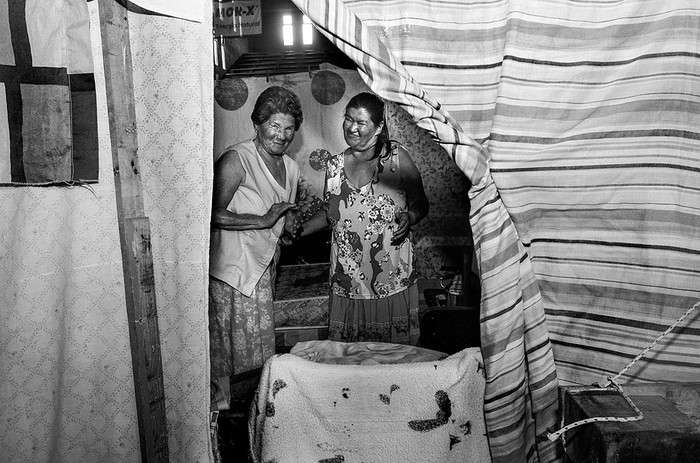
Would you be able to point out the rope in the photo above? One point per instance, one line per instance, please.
(651, 346)
(612, 381)
(552, 436)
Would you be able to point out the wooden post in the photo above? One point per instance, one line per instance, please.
(134, 234)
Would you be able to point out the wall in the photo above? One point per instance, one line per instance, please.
(229, 49)
(440, 239)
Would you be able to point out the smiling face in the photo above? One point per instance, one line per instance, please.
(276, 134)
(358, 129)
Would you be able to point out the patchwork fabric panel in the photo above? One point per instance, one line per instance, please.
(48, 119)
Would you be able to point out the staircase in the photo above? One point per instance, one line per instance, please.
(301, 291)
(301, 304)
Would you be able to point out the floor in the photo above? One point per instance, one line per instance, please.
(232, 438)
(232, 424)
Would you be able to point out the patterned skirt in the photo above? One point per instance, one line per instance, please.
(241, 329)
(390, 319)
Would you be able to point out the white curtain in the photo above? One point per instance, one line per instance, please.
(66, 384)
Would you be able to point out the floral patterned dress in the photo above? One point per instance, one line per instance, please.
(373, 291)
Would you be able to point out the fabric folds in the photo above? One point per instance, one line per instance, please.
(520, 398)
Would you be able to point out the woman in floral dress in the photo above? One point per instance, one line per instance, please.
(373, 195)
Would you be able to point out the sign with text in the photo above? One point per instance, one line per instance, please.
(236, 18)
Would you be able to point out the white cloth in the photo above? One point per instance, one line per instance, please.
(363, 353)
(239, 258)
(183, 9)
(412, 412)
(66, 384)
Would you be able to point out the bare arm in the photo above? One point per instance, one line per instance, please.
(317, 222)
(417, 205)
(228, 176)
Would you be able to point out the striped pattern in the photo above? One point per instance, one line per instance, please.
(521, 391)
(578, 124)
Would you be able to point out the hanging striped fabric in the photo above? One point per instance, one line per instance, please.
(520, 400)
(594, 145)
(577, 122)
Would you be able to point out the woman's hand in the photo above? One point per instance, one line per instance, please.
(292, 223)
(403, 221)
(275, 212)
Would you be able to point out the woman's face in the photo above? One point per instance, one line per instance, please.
(358, 129)
(276, 134)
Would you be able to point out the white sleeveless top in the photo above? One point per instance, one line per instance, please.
(239, 258)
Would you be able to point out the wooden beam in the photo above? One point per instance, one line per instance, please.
(134, 234)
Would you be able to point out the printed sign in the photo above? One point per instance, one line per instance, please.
(236, 18)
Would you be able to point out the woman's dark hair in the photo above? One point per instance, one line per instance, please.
(274, 100)
(375, 108)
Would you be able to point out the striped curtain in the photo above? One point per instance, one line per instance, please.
(595, 150)
(521, 390)
(577, 123)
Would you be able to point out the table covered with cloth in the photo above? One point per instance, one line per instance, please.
(369, 402)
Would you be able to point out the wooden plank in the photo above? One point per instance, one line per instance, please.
(145, 340)
(134, 235)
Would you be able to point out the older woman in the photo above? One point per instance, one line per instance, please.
(373, 195)
(255, 185)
